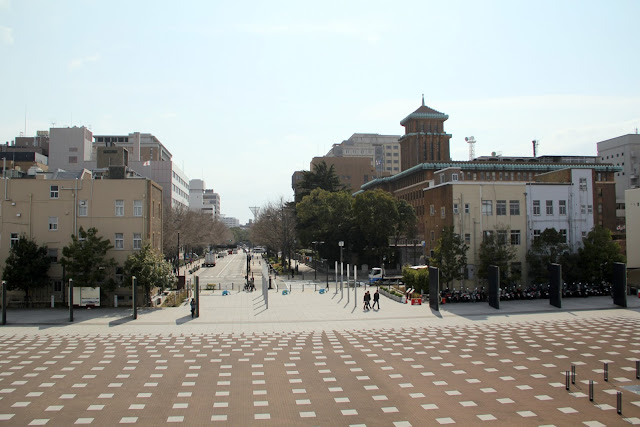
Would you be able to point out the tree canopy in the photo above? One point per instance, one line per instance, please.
(549, 247)
(450, 256)
(85, 258)
(27, 266)
(496, 252)
(150, 269)
(322, 176)
(597, 255)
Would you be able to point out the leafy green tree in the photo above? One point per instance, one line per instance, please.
(85, 258)
(322, 176)
(27, 266)
(549, 247)
(325, 216)
(496, 252)
(597, 255)
(450, 256)
(417, 279)
(376, 217)
(150, 269)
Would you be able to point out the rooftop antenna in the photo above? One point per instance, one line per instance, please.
(255, 210)
(535, 147)
(472, 147)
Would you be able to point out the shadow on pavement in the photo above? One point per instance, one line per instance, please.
(184, 319)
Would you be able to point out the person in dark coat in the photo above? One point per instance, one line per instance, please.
(193, 307)
(367, 300)
(376, 300)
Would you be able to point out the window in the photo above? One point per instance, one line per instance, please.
(599, 208)
(57, 286)
(73, 159)
(563, 233)
(137, 208)
(536, 234)
(443, 212)
(515, 237)
(53, 254)
(536, 207)
(53, 223)
(119, 274)
(502, 237)
(83, 207)
(583, 184)
(432, 210)
(454, 177)
(562, 207)
(466, 208)
(455, 209)
(514, 207)
(119, 207)
(119, 241)
(487, 207)
(13, 239)
(590, 209)
(549, 207)
(467, 238)
(433, 235)
(488, 234)
(583, 209)
(137, 241)
(501, 207)
(53, 192)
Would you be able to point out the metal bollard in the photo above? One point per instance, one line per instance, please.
(302, 286)
(619, 403)
(566, 380)
(573, 374)
(606, 372)
(590, 390)
(638, 369)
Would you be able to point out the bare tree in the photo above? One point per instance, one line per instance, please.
(275, 228)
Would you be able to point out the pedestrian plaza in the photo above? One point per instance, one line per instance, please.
(319, 359)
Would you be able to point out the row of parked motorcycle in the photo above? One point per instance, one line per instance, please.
(513, 292)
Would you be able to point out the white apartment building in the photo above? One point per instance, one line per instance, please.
(203, 199)
(229, 221)
(564, 206)
(72, 149)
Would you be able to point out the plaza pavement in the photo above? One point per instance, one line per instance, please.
(319, 359)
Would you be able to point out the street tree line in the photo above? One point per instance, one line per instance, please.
(85, 260)
(591, 263)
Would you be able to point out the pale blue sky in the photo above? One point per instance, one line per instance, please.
(245, 93)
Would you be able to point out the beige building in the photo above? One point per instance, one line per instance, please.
(51, 207)
(632, 203)
(476, 209)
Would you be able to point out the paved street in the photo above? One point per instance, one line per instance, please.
(315, 359)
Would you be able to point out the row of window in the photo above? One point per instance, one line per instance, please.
(53, 253)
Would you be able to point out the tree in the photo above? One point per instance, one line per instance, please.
(327, 217)
(85, 258)
(376, 217)
(549, 248)
(150, 269)
(322, 176)
(275, 228)
(27, 266)
(450, 256)
(494, 251)
(597, 255)
(417, 279)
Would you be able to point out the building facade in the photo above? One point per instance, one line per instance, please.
(51, 207)
(383, 150)
(203, 200)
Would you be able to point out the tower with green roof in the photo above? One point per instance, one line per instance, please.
(425, 139)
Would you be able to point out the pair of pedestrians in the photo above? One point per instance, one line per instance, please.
(367, 300)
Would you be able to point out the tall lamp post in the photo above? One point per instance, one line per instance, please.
(341, 244)
(315, 258)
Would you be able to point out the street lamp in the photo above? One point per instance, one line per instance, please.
(315, 259)
(341, 244)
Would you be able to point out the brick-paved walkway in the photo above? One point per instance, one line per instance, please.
(403, 369)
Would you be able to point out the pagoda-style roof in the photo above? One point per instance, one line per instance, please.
(424, 112)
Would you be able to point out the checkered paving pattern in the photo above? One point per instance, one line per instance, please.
(465, 374)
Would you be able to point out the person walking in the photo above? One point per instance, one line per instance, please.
(367, 299)
(376, 300)
(193, 307)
